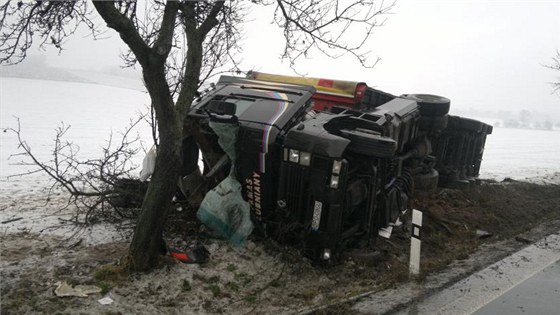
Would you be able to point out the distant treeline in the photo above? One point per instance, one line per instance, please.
(509, 119)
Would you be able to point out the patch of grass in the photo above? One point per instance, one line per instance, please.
(491, 217)
(243, 278)
(400, 272)
(203, 278)
(62, 271)
(111, 273)
(207, 305)
(109, 276)
(309, 294)
(215, 289)
(199, 277)
(251, 298)
(358, 291)
(105, 287)
(186, 286)
(13, 303)
(214, 279)
(345, 308)
(168, 303)
(457, 250)
(231, 267)
(34, 303)
(232, 286)
(463, 255)
(439, 239)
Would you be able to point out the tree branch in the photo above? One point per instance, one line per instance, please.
(164, 41)
(126, 29)
(555, 65)
(50, 21)
(325, 26)
(211, 21)
(93, 182)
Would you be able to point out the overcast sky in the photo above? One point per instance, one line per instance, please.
(480, 54)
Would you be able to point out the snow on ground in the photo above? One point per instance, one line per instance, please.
(93, 111)
(32, 214)
(521, 154)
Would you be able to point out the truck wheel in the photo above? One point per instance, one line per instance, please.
(430, 105)
(370, 144)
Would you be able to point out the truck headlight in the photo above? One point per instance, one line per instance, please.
(305, 158)
(326, 254)
(294, 156)
(337, 165)
(334, 181)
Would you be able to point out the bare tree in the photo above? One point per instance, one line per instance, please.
(99, 187)
(555, 65)
(325, 26)
(179, 44)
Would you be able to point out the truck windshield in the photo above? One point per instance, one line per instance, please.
(241, 104)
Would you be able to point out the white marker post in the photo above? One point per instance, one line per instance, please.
(414, 266)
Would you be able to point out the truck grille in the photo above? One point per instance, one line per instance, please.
(297, 190)
(299, 194)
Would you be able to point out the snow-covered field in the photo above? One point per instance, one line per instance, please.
(521, 154)
(94, 111)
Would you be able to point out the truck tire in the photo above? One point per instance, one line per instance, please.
(430, 105)
(369, 144)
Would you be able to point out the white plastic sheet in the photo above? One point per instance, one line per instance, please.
(148, 164)
(223, 208)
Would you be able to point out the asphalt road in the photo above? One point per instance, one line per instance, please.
(527, 282)
(539, 294)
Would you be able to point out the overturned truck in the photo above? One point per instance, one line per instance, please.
(328, 165)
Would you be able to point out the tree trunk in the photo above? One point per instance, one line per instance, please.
(146, 243)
